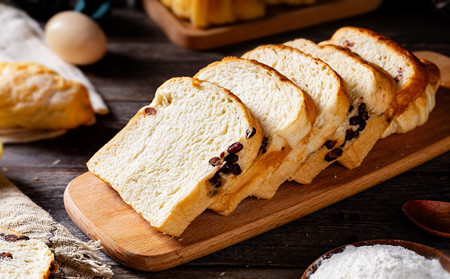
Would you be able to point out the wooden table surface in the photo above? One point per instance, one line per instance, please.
(140, 58)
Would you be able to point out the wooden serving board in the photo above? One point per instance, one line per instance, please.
(102, 215)
(278, 19)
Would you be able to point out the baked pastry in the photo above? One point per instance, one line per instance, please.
(370, 90)
(25, 258)
(176, 155)
(290, 2)
(285, 112)
(326, 88)
(204, 13)
(409, 73)
(181, 8)
(34, 97)
(417, 112)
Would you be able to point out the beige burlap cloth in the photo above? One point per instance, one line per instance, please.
(76, 259)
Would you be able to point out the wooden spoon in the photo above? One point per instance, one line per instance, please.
(431, 216)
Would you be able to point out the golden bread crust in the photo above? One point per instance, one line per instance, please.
(417, 112)
(34, 97)
(416, 83)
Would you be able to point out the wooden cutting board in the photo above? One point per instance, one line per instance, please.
(278, 19)
(102, 215)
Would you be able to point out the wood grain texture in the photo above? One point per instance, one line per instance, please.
(276, 21)
(139, 246)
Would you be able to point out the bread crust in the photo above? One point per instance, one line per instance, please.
(415, 85)
(35, 97)
(417, 112)
(354, 154)
(52, 265)
(263, 165)
(204, 13)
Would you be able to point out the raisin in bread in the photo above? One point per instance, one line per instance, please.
(167, 162)
(417, 112)
(25, 258)
(326, 88)
(34, 97)
(284, 111)
(370, 90)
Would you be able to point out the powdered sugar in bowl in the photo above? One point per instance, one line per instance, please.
(384, 258)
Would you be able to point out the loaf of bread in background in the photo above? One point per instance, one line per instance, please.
(171, 161)
(205, 13)
(34, 97)
(24, 258)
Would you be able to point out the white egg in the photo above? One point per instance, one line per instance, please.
(76, 38)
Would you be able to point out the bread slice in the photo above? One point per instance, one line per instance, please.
(25, 258)
(409, 73)
(326, 88)
(417, 112)
(284, 111)
(370, 90)
(176, 155)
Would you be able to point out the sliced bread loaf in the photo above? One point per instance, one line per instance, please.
(370, 90)
(326, 88)
(417, 112)
(409, 73)
(285, 113)
(176, 155)
(24, 258)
